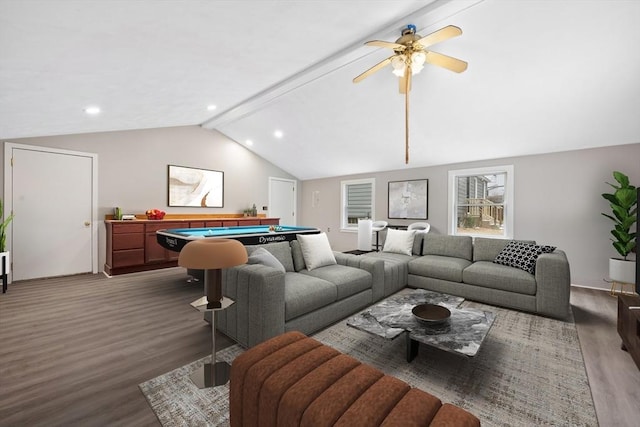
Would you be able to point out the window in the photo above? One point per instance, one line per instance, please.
(481, 202)
(357, 202)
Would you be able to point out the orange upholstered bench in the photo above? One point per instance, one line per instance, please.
(293, 380)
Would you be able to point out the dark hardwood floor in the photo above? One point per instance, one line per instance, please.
(74, 349)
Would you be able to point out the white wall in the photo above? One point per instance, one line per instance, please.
(132, 168)
(557, 202)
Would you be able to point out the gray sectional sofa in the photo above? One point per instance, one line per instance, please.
(269, 302)
(460, 265)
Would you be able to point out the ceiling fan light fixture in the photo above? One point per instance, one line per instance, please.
(418, 58)
(398, 64)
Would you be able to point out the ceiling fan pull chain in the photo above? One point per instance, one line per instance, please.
(406, 116)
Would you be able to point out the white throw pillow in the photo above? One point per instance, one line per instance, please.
(399, 241)
(316, 250)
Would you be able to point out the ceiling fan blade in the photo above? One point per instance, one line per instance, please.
(448, 62)
(390, 45)
(441, 35)
(373, 69)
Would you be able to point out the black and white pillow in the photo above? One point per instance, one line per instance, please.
(522, 255)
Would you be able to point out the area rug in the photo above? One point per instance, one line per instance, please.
(529, 371)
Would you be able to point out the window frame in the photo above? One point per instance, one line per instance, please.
(508, 203)
(344, 221)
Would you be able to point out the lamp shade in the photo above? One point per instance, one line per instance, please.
(211, 253)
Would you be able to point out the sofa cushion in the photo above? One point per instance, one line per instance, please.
(439, 267)
(448, 246)
(264, 257)
(348, 280)
(296, 253)
(304, 293)
(399, 241)
(316, 250)
(487, 249)
(490, 275)
(417, 242)
(280, 250)
(522, 255)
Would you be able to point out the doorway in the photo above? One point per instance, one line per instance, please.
(282, 200)
(53, 196)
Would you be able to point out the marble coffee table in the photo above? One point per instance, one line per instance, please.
(463, 333)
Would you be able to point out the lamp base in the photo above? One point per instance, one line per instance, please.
(211, 375)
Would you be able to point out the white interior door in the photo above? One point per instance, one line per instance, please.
(282, 200)
(52, 198)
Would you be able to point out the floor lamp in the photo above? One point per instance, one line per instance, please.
(211, 255)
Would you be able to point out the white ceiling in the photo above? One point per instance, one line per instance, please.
(543, 76)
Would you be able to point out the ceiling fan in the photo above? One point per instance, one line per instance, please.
(410, 55)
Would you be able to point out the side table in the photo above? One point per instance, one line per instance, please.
(215, 373)
(629, 325)
(5, 264)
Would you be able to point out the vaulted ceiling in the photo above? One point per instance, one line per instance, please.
(543, 76)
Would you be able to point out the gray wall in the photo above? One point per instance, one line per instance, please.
(132, 168)
(557, 202)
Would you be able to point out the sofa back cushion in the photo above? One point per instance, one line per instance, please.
(280, 250)
(298, 259)
(264, 257)
(487, 249)
(417, 243)
(453, 246)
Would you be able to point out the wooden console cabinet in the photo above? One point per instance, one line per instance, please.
(629, 325)
(132, 245)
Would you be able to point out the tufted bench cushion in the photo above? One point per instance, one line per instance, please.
(293, 380)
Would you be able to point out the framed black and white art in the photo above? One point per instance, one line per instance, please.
(409, 199)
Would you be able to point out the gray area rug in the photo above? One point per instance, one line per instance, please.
(528, 372)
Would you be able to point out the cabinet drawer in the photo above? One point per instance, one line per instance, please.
(270, 221)
(229, 223)
(128, 257)
(128, 241)
(196, 224)
(128, 228)
(213, 224)
(248, 222)
(161, 225)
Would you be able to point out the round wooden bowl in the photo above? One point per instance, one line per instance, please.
(430, 313)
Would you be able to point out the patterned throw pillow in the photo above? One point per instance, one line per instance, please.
(522, 255)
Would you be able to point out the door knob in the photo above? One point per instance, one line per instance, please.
(87, 223)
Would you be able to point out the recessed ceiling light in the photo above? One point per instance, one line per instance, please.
(93, 110)
(211, 107)
(278, 134)
(249, 142)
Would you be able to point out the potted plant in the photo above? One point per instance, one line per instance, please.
(624, 205)
(3, 227)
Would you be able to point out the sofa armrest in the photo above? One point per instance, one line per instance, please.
(553, 284)
(372, 265)
(258, 312)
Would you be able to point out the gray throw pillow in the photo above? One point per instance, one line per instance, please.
(264, 257)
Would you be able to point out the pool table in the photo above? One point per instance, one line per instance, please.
(174, 239)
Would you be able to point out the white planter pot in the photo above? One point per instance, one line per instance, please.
(622, 271)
